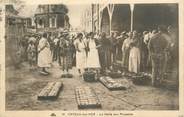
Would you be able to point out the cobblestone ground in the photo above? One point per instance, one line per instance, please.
(22, 87)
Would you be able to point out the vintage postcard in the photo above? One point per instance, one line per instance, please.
(91, 58)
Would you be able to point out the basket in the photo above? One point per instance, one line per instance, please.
(89, 76)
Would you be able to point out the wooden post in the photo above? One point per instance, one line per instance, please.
(98, 19)
(110, 10)
(110, 24)
(132, 16)
(92, 19)
(131, 28)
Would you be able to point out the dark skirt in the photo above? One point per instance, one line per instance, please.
(67, 60)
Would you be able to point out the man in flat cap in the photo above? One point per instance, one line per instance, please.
(158, 48)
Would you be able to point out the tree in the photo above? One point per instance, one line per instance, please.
(19, 4)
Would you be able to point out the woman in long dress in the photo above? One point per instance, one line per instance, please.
(44, 54)
(126, 51)
(93, 56)
(80, 46)
(135, 56)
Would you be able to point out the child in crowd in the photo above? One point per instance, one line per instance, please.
(31, 51)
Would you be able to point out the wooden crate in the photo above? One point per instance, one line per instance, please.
(50, 91)
(86, 98)
(111, 84)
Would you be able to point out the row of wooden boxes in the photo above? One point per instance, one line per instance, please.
(137, 78)
(85, 96)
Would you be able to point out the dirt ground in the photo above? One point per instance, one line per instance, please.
(22, 87)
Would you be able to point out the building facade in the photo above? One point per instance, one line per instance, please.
(28, 22)
(52, 17)
(117, 17)
(86, 19)
(90, 18)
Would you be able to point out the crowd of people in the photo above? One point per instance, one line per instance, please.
(147, 51)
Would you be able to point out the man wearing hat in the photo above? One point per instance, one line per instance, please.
(60, 47)
(157, 48)
(55, 47)
(120, 40)
(114, 45)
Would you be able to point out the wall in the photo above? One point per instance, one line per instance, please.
(12, 41)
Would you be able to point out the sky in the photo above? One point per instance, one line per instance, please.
(75, 12)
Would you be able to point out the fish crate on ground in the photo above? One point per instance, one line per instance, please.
(67, 75)
(111, 84)
(128, 74)
(118, 65)
(114, 74)
(50, 91)
(86, 98)
(141, 78)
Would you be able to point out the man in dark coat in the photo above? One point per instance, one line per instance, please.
(114, 46)
(104, 52)
(157, 48)
(120, 40)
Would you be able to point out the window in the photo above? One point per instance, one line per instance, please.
(52, 22)
(40, 23)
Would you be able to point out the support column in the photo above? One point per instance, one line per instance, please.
(131, 27)
(110, 24)
(132, 16)
(36, 23)
(110, 10)
(55, 22)
(100, 20)
(92, 14)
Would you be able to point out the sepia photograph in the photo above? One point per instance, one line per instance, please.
(107, 57)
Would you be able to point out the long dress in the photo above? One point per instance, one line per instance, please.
(126, 51)
(31, 52)
(80, 56)
(67, 56)
(93, 56)
(44, 57)
(134, 60)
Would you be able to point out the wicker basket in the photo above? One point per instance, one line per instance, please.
(89, 76)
